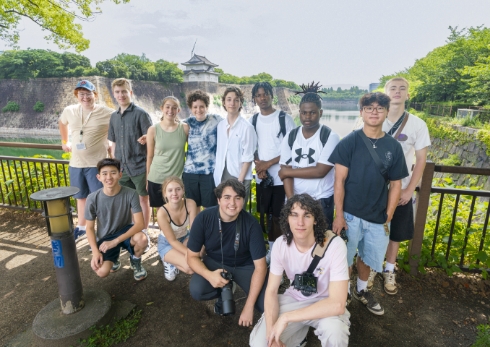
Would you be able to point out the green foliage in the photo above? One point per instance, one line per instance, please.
(458, 71)
(483, 337)
(452, 160)
(275, 101)
(294, 99)
(261, 77)
(471, 252)
(11, 106)
(55, 16)
(118, 332)
(24, 178)
(39, 106)
(217, 100)
(343, 94)
(39, 63)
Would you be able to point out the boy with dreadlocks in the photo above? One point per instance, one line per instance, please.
(271, 126)
(304, 154)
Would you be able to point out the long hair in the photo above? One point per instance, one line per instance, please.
(169, 180)
(306, 203)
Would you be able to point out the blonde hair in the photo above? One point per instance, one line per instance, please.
(122, 82)
(172, 99)
(169, 180)
(396, 79)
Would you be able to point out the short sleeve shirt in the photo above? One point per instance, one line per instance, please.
(125, 129)
(205, 232)
(201, 145)
(366, 192)
(413, 137)
(112, 213)
(89, 128)
(307, 153)
(332, 267)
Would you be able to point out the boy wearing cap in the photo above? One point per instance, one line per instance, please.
(88, 123)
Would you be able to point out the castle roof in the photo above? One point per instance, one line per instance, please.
(199, 59)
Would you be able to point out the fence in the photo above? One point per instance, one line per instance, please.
(449, 111)
(20, 177)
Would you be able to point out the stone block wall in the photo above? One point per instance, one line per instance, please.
(471, 154)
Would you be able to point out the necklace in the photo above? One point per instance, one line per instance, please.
(374, 144)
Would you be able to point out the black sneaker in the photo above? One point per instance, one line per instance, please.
(368, 299)
(78, 234)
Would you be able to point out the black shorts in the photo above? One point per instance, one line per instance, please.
(155, 193)
(113, 253)
(270, 200)
(402, 226)
(200, 188)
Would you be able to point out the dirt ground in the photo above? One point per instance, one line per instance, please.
(430, 310)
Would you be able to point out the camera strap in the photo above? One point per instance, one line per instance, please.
(238, 229)
(319, 251)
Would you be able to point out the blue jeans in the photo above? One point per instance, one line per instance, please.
(368, 239)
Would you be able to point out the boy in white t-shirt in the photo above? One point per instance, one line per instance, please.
(271, 126)
(413, 135)
(287, 317)
(304, 157)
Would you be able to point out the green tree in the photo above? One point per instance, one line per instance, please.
(55, 16)
(168, 72)
(113, 69)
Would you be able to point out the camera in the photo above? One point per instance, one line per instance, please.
(343, 235)
(268, 181)
(228, 304)
(306, 283)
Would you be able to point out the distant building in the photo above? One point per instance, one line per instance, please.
(200, 69)
(373, 86)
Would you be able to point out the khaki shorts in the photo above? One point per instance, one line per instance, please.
(137, 183)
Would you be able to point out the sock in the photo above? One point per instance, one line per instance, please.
(271, 243)
(81, 227)
(389, 267)
(361, 285)
(135, 258)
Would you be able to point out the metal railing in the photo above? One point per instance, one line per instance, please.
(424, 193)
(447, 111)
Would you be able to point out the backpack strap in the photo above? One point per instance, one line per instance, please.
(324, 134)
(292, 137)
(254, 121)
(319, 251)
(282, 124)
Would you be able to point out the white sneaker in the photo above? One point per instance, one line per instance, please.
(372, 276)
(170, 271)
(389, 282)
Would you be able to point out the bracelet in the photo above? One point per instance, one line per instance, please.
(63, 142)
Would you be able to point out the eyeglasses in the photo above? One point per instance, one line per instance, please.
(370, 109)
(85, 95)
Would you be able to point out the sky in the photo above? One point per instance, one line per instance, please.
(335, 42)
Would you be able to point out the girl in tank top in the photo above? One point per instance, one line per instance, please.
(165, 142)
(175, 220)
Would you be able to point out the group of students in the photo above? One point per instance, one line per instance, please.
(302, 173)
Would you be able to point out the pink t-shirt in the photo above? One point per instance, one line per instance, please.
(332, 267)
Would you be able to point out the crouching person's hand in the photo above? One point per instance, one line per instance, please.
(216, 280)
(97, 260)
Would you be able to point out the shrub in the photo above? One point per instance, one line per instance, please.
(39, 106)
(11, 106)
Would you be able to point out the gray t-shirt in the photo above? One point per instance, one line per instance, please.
(112, 212)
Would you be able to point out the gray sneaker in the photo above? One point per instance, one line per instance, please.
(116, 266)
(139, 271)
(368, 299)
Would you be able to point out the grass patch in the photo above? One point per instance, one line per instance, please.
(483, 337)
(115, 333)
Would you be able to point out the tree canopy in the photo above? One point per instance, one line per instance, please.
(458, 71)
(38, 63)
(57, 17)
(342, 94)
(261, 77)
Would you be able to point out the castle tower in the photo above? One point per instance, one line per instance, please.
(200, 69)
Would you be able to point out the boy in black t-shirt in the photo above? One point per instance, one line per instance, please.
(234, 243)
(364, 204)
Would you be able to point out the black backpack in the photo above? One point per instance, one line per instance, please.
(324, 135)
(282, 123)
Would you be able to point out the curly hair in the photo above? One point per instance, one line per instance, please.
(306, 203)
(198, 95)
(264, 85)
(238, 92)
